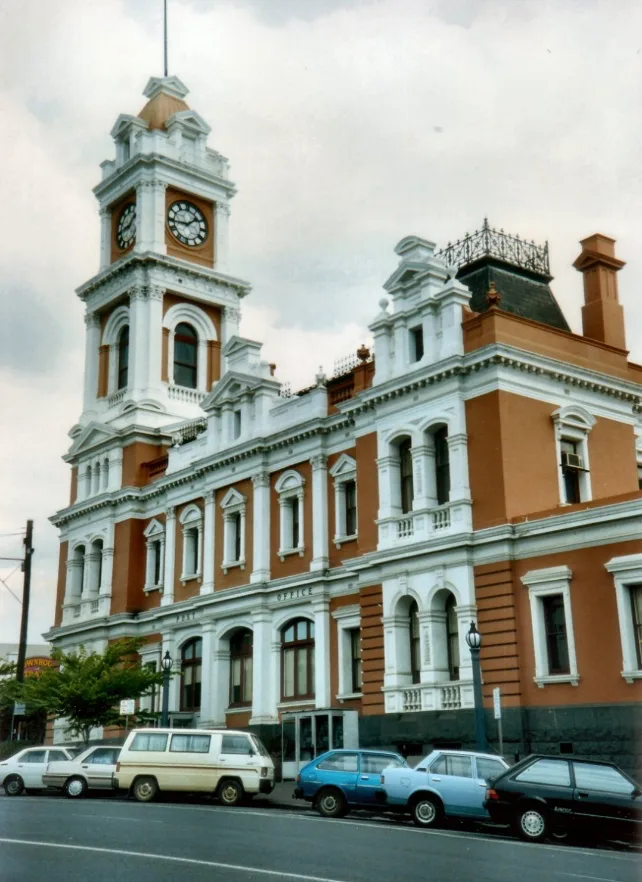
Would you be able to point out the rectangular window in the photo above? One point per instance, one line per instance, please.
(288, 672)
(294, 520)
(190, 744)
(156, 561)
(355, 656)
(570, 473)
(191, 551)
(636, 608)
(416, 343)
(237, 424)
(556, 638)
(350, 491)
(235, 543)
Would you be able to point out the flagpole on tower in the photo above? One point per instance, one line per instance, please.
(165, 35)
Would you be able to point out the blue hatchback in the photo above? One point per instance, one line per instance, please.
(340, 780)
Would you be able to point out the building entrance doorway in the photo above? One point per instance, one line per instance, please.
(307, 734)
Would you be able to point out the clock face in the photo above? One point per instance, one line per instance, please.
(187, 223)
(126, 231)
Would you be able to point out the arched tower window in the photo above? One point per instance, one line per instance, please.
(123, 358)
(405, 475)
(452, 637)
(415, 642)
(185, 356)
(442, 466)
(191, 669)
(241, 668)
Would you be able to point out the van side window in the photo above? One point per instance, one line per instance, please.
(190, 744)
(239, 744)
(149, 741)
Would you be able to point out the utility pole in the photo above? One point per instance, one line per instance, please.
(26, 591)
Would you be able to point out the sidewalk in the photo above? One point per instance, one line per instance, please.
(281, 797)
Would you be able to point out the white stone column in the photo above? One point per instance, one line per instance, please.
(458, 461)
(263, 684)
(261, 562)
(105, 237)
(221, 248)
(231, 321)
(150, 217)
(138, 340)
(207, 585)
(422, 485)
(170, 557)
(157, 200)
(320, 558)
(220, 680)
(169, 645)
(401, 347)
(115, 468)
(322, 687)
(155, 339)
(207, 673)
(92, 344)
(275, 669)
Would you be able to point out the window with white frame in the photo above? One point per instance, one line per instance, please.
(552, 622)
(290, 488)
(573, 425)
(234, 506)
(627, 576)
(154, 570)
(348, 619)
(192, 521)
(344, 475)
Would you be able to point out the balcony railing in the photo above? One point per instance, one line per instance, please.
(182, 393)
(405, 528)
(430, 697)
(423, 524)
(489, 242)
(441, 518)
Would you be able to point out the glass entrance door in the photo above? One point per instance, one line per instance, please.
(305, 735)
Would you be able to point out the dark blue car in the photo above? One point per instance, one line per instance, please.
(340, 780)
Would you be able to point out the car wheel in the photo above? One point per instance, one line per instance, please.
(75, 787)
(331, 804)
(532, 824)
(230, 792)
(14, 785)
(145, 789)
(426, 812)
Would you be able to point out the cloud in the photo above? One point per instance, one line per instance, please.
(348, 126)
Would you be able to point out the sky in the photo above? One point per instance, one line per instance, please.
(348, 124)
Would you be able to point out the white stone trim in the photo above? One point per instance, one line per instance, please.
(192, 519)
(154, 533)
(233, 503)
(574, 423)
(290, 488)
(627, 572)
(342, 472)
(544, 583)
(119, 319)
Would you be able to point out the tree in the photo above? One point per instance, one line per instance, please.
(87, 687)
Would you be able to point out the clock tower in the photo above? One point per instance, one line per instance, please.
(163, 304)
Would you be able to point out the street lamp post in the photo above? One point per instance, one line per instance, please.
(474, 641)
(167, 667)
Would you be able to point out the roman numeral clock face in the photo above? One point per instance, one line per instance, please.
(187, 223)
(126, 230)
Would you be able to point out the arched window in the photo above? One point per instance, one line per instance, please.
(123, 358)
(415, 642)
(442, 466)
(297, 655)
(241, 668)
(185, 356)
(452, 637)
(405, 475)
(191, 669)
(96, 566)
(79, 571)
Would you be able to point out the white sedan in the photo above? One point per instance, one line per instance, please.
(24, 770)
(91, 770)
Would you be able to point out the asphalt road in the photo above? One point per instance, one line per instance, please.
(109, 840)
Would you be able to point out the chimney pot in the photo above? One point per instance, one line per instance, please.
(602, 314)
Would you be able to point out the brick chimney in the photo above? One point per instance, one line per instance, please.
(602, 315)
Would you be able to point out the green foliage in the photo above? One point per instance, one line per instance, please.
(87, 687)
(8, 685)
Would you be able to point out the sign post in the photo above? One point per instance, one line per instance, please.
(497, 708)
(127, 707)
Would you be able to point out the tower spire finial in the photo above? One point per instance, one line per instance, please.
(165, 37)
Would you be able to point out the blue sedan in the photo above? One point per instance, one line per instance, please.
(340, 780)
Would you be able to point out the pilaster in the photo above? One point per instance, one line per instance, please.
(207, 586)
(221, 247)
(92, 344)
(322, 690)
(261, 526)
(264, 699)
(170, 557)
(320, 557)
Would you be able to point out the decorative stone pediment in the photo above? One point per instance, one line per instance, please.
(153, 528)
(125, 123)
(345, 465)
(92, 436)
(189, 120)
(233, 498)
(229, 389)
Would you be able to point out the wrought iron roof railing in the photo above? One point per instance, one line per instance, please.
(489, 242)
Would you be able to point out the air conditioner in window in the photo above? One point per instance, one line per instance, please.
(572, 461)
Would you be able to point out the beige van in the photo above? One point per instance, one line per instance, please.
(228, 763)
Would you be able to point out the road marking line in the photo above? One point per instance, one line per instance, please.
(584, 876)
(168, 857)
